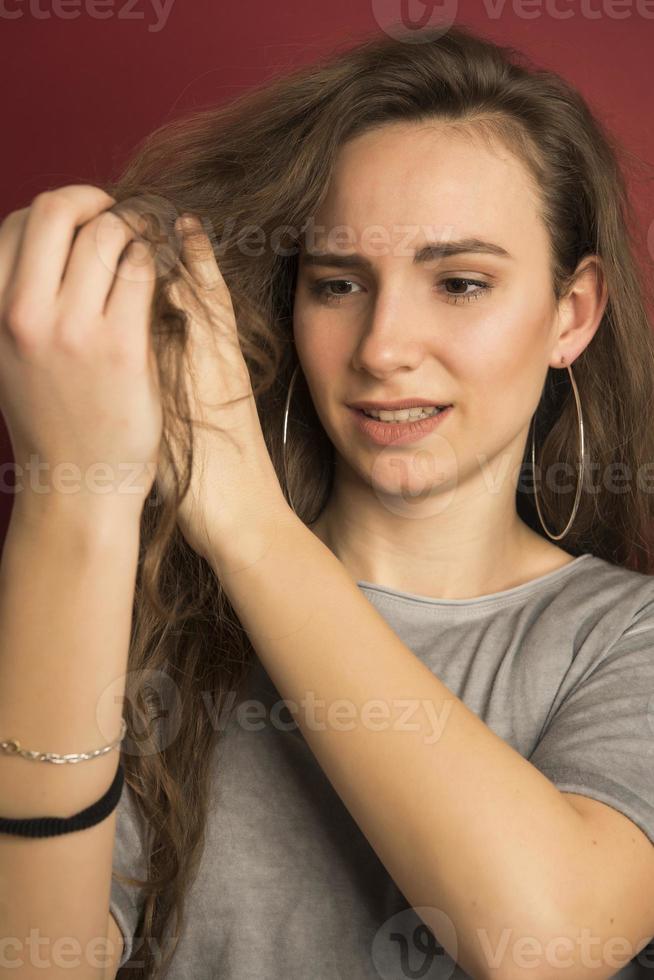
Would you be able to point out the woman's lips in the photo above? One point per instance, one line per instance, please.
(397, 433)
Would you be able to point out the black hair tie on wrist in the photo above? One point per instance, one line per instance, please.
(52, 826)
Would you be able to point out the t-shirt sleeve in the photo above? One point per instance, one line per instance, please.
(600, 740)
(129, 859)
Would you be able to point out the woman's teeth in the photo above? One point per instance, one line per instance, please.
(404, 415)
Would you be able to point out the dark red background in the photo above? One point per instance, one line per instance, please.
(80, 90)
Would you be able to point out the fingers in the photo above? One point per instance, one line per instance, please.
(49, 229)
(130, 298)
(200, 259)
(92, 266)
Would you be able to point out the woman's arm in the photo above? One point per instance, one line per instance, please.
(462, 822)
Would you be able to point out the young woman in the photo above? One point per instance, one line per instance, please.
(389, 698)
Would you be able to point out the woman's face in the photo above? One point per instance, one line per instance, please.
(387, 328)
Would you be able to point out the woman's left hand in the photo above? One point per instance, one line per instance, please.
(234, 490)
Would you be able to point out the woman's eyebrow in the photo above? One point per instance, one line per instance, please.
(429, 252)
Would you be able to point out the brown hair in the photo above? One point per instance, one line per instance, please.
(264, 161)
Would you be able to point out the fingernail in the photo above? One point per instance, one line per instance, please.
(187, 223)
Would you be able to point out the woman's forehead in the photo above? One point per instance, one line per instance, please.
(403, 201)
(450, 189)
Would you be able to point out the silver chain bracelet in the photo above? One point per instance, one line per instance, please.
(12, 747)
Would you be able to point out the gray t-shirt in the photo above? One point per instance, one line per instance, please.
(562, 668)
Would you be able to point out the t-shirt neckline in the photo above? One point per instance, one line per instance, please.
(517, 590)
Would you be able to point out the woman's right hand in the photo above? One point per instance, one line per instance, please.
(79, 388)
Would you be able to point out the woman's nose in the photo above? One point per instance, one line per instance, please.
(394, 334)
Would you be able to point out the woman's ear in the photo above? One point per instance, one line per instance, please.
(580, 311)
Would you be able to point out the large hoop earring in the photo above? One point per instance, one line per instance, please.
(288, 402)
(575, 506)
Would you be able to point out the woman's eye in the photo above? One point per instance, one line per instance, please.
(322, 289)
(457, 297)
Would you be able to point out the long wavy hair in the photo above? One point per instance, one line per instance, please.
(261, 165)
